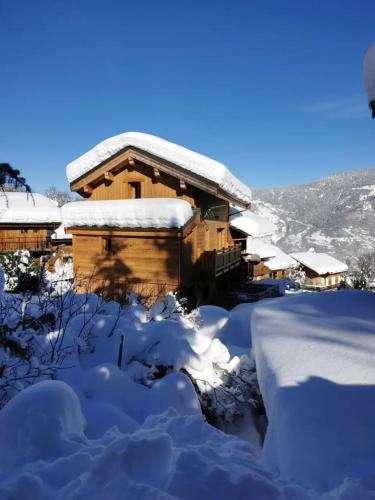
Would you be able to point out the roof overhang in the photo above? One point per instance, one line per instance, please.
(129, 155)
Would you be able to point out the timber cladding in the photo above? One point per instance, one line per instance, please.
(24, 236)
(133, 262)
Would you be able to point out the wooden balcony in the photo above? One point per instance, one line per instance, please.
(26, 243)
(219, 262)
(227, 259)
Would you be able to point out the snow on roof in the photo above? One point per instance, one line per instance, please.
(321, 263)
(250, 223)
(275, 258)
(27, 208)
(178, 155)
(261, 248)
(60, 234)
(369, 72)
(139, 213)
(280, 261)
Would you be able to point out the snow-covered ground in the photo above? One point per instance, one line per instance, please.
(315, 364)
(122, 417)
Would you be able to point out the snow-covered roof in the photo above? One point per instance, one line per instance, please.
(281, 260)
(139, 213)
(60, 234)
(275, 258)
(250, 223)
(259, 247)
(369, 72)
(24, 208)
(321, 263)
(178, 155)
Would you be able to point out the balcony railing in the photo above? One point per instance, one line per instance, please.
(218, 262)
(13, 244)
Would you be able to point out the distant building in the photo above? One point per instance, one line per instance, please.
(27, 221)
(322, 270)
(254, 233)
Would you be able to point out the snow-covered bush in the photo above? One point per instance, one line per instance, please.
(296, 276)
(65, 335)
(20, 271)
(361, 272)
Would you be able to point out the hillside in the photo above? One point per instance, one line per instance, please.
(334, 214)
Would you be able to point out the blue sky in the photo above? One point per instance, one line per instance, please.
(271, 88)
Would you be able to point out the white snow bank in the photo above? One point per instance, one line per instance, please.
(321, 263)
(169, 456)
(315, 363)
(369, 72)
(139, 213)
(178, 155)
(28, 208)
(250, 223)
(40, 423)
(60, 234)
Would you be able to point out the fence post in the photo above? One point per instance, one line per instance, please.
(120, 350)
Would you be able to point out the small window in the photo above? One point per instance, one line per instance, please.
(35, 230)
(108, 245)
(135, 190)
(24, 231)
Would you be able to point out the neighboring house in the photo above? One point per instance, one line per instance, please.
(254, 232)
(157, 216)
(269, 261)
(322, 270)
(27, 221)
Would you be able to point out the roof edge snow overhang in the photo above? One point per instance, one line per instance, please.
(120, 160)
(173, 232)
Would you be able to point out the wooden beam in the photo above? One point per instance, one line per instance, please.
(131, 162)
(87, 189)
(156, 172)
(182, 184)
(108, 176)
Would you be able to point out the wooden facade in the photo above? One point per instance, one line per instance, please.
(315, 281)
(165, 259)
(32, 237)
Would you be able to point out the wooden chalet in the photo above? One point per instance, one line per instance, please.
(322, 271)
(27, 221)
(140, 252)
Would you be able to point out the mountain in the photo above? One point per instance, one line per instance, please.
(335, 214)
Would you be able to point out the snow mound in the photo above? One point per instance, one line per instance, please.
(139, 213)
(28, 208)
(40, 423)
(182, 157)
(314, 355)
(321, 263)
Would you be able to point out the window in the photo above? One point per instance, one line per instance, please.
(24, 231)
(107, 245)
(135, 190)
(35, 230)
